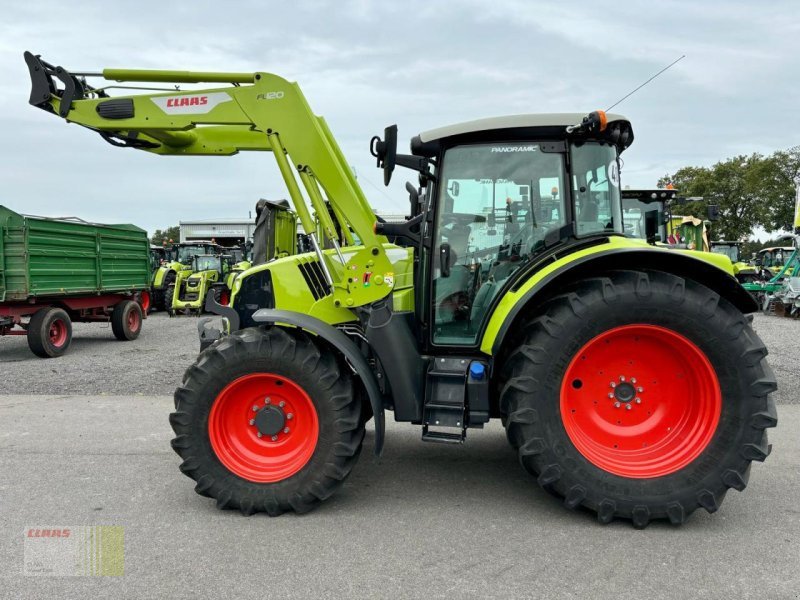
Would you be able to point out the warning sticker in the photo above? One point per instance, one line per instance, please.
(613, 173)
(388, 279)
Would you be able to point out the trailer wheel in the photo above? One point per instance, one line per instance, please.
(49, 332)
(267, 421)
(126, 320)
(640, 395)
(145, 300)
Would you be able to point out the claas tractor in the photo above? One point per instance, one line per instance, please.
(745, 273)
(207, 273)
(627, 377)
(177, 265)
(647, 215)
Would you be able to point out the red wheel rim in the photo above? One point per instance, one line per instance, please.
(145, 301)
(134, 321)
(640, 401)
(234, 435)
(58, 333)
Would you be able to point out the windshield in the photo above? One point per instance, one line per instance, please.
(640, 217)
(185, 253)
(595, 188)
(497, 202)
(207, 262)
(730, 251)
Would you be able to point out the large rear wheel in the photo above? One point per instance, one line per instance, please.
(639, 395)
(266, 421)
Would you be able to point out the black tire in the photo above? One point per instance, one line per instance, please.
(164, 298)
(297, 357)
(40, 340)
(126, 320)
(169, 294)
(535, 368)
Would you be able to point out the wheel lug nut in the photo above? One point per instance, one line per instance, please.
(274, 438)
(285, 430)
(267, 400)
(252, 421)
(613, 384)
(259, 434)
(638, 400)
(628, 407)
(622, 377)
(640, 389)
(255, 408)
(290, 416)
(633, 379)
(610, 395)
(282, 404)
(616, 405)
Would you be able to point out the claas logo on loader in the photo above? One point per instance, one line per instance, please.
(187, 101)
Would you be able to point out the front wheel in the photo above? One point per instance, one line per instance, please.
(639, 395)
(266, 421)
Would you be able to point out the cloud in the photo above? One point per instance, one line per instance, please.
(364, 65)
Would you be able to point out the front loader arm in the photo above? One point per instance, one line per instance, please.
(257, 111)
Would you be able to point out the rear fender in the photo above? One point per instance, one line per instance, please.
(551, 280)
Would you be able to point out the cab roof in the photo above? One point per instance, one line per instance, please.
(510, 122)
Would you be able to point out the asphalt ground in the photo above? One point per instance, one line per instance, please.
(88, 444)
(424, 521)
(96, 363)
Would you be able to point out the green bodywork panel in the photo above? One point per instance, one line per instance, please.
(58, 257)
(510, 300)
(161, 272)
(292, 292)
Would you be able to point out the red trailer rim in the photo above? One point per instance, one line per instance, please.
(134, 320)
(263, 427)
(58, 333)
(640, 401)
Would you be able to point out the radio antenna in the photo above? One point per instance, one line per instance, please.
(632, 92)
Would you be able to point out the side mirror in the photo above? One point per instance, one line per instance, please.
(713, 212)
(385, 151)
(454, 189)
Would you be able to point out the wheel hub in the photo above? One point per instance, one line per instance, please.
(625, 392)
(270, 420)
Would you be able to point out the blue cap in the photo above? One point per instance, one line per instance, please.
(477, 370)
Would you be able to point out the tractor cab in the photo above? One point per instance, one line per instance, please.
(645, 213)
(503, 194)
(730, 249)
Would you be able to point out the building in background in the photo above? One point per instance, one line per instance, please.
(231, 232)
(226, 232)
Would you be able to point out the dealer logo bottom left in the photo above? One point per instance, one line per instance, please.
(97, 550)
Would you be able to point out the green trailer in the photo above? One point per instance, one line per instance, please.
(56, 271)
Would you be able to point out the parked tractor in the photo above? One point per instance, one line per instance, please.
(745, 272)
(628, 377)
(177, 264)
(55, 272)
(207, 272)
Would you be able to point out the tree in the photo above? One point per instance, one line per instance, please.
(748, 191)
(170, 233)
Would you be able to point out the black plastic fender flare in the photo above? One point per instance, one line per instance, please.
(344, 345)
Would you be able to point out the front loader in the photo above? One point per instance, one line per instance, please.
(627, 377)
(176, 267)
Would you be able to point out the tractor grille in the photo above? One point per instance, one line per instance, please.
(315, 279)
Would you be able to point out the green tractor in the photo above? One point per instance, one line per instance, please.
(177, 264)
(647, 215)
(628, 377)
(744, 272)
(207, 272)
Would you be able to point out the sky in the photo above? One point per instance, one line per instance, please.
(365, 65)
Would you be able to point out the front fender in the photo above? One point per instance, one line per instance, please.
(617, 253)
(344, 345)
